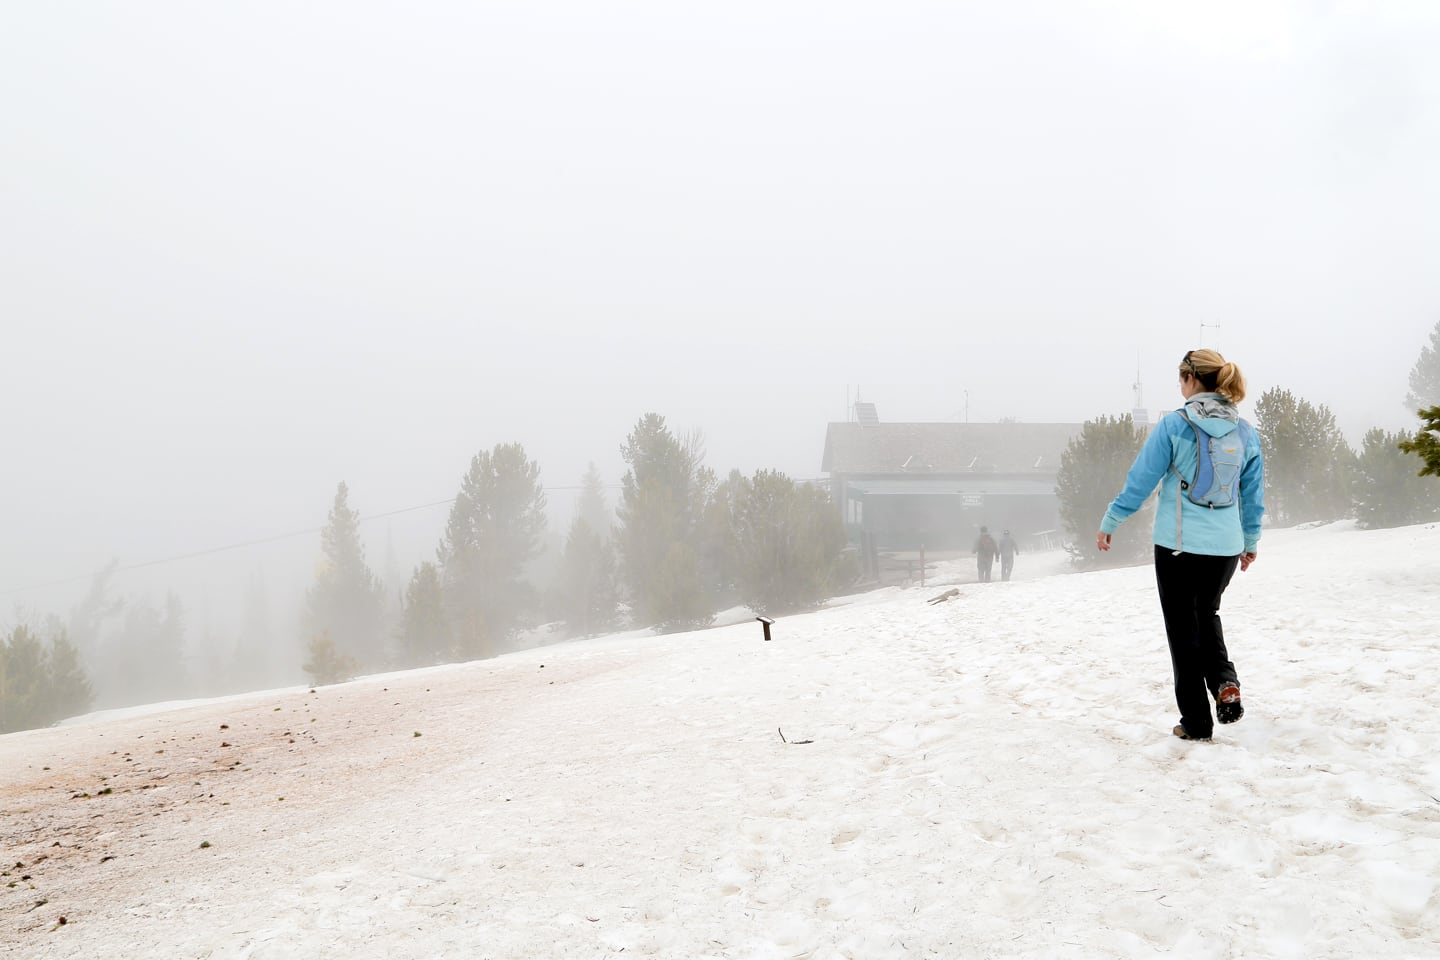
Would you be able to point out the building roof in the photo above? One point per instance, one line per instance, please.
(906, 449)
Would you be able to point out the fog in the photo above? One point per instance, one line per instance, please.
(247, 252)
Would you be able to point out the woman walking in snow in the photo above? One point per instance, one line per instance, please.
(1207, 523)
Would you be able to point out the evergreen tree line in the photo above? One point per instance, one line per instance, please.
(116, 652)
(41, 681)
(679, 546)
(1312, 474)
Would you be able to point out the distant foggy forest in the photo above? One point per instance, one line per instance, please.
(677, 544)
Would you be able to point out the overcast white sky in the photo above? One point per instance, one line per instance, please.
(247, 251)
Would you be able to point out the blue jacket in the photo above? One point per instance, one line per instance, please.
(1180, 524)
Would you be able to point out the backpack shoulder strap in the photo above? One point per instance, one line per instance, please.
(1195, 429)
(1246, 431)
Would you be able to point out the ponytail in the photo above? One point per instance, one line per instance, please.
(1215, 373)
(1230, 383)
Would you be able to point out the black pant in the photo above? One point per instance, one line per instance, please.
(1191, 585)
(983, 565)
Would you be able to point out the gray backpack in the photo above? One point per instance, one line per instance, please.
(1218, 462)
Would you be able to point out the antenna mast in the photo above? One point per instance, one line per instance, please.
(1138, 413)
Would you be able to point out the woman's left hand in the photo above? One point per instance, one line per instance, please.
(1246, 559)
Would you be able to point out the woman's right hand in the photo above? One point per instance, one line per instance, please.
(1102, 542)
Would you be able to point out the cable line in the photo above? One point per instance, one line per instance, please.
(226, 548)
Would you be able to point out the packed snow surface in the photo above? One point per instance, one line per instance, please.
(990, 776)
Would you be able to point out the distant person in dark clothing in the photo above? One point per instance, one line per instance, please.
(1008, 549)
(985, 553)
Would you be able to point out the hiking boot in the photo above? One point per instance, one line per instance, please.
(1228, 707)
(1180, 732)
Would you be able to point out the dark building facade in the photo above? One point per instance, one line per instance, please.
(913, 486)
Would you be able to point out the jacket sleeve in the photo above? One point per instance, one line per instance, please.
(1147, 471)
(1252, 497)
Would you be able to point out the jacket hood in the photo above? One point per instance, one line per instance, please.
(1213, 413)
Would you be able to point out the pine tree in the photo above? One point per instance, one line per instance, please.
(40, 682)
(720, 559)
(345, 603)
(1331, 469)
(1388, 491)
(91, 617)
(1278, 423)
(211, 672)
(69, 692)
(1308, 465)
(172, 677)
(24, 682)
(123, 677)
(1425, 375)
(1092, 472)
(392, 593)
(253, 661)
(591, 504)
(789, 544)
(1426, 442)
(495, 528)
(585, 588)
(143, 657)
(425, 635)
(325, 663)
(661, 497)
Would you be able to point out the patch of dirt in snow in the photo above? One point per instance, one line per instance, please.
(95, 818)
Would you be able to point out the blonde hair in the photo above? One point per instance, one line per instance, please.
(1215, 374)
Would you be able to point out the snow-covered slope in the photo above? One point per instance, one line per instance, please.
(988, 777)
